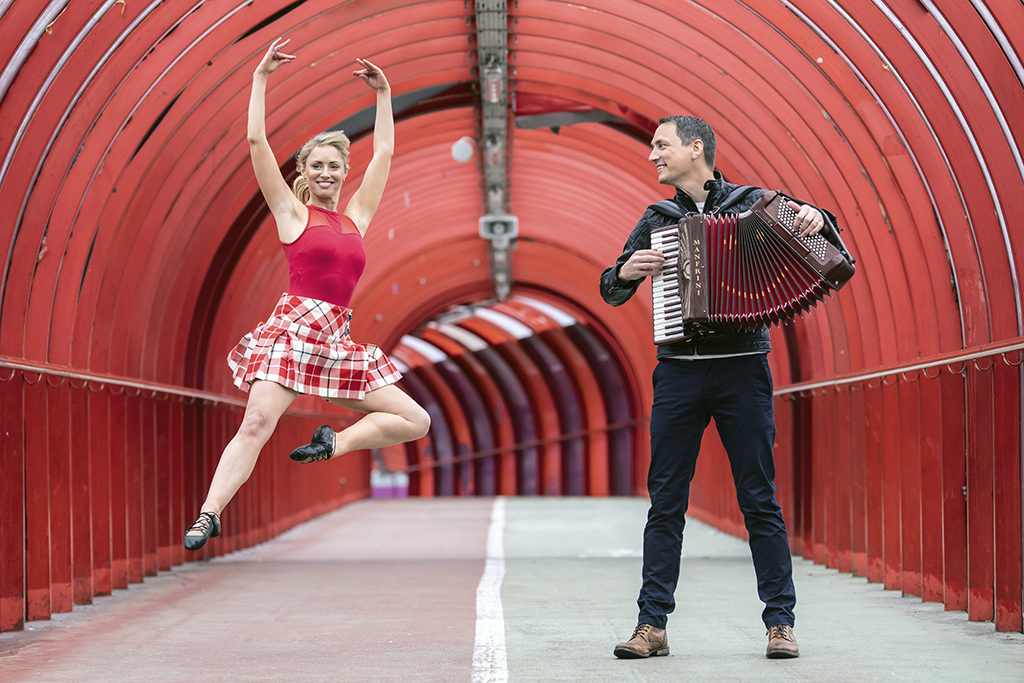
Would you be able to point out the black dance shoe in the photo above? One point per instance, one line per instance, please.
(207, 524)
(321, 447)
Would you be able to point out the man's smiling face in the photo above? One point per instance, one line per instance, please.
(672, 159)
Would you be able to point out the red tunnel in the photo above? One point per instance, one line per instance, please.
(139, 250)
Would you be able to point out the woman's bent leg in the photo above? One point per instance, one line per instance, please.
(392, 417)
(267, 402)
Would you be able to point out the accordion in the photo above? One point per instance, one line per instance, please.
(737, 272)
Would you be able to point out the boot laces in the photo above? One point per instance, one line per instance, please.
(781, 631)
(202, 525)
(325, 446)
(642, 631)
(324, 454)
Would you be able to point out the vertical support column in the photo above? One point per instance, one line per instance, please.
(858, 481)
(891, 498)
(37, 502)
(833, 478)
(150, 489)
(821, 478)
(133, 449)
(930, 404)
(177, 455)
(874, 482)
(191, 467)
(1006, 496)
(803, 469)
(843, 482)
(980, 522)
(58, 427)
(81, 497)
(12, 502)
(99, 489)
(163, 459)
(954, 491)
(910, 487)
(118, 416)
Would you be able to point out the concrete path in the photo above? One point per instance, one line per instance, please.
(388, 591)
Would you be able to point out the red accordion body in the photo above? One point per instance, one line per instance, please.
(736, 272)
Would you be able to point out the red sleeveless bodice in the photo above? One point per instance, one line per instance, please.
(325, 262)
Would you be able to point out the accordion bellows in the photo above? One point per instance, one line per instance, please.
(737, 272)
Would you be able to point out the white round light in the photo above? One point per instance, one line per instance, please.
(462, 149)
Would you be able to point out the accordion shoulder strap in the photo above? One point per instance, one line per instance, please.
(668, 208)
(734, 197)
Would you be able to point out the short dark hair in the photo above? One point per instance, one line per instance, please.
(690, 128)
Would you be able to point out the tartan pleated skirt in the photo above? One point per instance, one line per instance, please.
(305, 346)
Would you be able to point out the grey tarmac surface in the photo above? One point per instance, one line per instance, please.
(573, 574)
(386, 591)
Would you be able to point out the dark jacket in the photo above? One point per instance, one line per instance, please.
(709, 343)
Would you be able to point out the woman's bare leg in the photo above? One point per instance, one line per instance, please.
(267, 402)
(392, 416)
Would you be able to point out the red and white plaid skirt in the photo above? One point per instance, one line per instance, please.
(305, 346)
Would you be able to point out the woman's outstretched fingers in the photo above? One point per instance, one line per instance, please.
(274, 57)
(371, 74)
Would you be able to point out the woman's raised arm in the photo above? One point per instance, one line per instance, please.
(366, 199)
(279, 196)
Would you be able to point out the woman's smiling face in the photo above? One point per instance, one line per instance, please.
(325, 172)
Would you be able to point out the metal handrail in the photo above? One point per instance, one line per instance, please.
(115, 380)
(522, 446)
(938, 361)
(948, 360)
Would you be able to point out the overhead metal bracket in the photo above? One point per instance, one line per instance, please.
(495, 136)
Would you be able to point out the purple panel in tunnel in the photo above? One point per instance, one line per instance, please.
(616, 401)
(569, 415)
(440, 435)
(522, 416)
(473, 403)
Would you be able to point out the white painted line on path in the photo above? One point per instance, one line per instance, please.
(489, 662)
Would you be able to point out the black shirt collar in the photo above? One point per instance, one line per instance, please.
(712, 186)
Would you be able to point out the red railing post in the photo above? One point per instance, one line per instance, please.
(12, 502)
(980, 523)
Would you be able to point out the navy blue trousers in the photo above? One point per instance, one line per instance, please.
(737, 393)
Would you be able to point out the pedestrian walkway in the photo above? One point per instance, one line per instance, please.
(392, 591)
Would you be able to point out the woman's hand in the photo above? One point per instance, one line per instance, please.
(274, 58)
(372, 76)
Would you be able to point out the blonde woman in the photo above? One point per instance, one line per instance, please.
(304, 348)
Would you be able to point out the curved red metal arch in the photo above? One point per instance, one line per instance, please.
(137, 249)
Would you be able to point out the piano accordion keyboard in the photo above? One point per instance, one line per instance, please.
(668, 314)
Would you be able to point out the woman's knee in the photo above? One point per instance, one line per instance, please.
(256, 425)
(420, 421)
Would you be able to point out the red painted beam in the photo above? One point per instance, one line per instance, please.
(1007, 496)
(12, 502)
(954, 490)
(930, 407)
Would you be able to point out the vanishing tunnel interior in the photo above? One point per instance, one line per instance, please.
(139, 250)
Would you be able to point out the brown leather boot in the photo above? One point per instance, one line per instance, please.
(647, 641)
(782, 643)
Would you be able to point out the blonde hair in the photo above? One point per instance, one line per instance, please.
(331, 138)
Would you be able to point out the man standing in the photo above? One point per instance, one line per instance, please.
(719, 375)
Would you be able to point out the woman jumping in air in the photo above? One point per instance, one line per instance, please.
(304, 348)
